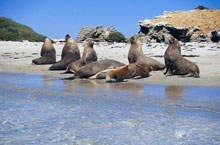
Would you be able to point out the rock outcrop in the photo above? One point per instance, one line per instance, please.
(215, 35)
(199, 25)
(154, 32)
(98, 34)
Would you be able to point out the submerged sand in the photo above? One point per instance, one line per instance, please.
(17, 57)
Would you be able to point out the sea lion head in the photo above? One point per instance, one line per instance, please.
(168, 38)
(132, 40)
(47, 40)
(90, 43)
(47, 44)
(67, 37)
(173, 41)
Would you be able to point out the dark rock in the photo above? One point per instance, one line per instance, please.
(201, 8)
(85, 33)
(199, 38)
(98, 34)
(215, 35)
(154, 32)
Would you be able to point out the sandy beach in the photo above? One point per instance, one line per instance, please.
(17, 57)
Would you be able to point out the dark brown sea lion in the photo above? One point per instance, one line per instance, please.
(175, 63)
(70, 53)
(136, 55)
(89, 55)
(127, 72)
(91, 69)
(48, 54)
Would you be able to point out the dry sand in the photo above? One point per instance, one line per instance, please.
(17, 57)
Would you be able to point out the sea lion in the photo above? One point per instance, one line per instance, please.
(102, 74)
(174, 61)
(70, 53)
(127, 72)
(136, 55)
(89, 55)
(91, 69)
(135, 50)
(48, 54)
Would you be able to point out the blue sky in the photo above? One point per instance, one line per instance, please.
(55, 18)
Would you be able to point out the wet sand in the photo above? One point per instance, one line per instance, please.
(17, 57)
(39, 109)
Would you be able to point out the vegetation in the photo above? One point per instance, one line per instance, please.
(116, 37)
(13, 31)
(201, 8)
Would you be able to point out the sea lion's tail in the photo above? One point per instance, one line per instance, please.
(160, 66)
(66, 72)
(196, 75)
(70, 78)
(60, 65)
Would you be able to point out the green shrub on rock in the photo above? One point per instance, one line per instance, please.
(117, 37)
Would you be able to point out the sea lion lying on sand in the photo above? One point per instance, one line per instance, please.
(175, 63)
(89, 55)
(48, 54)
(70, 53)
(136, 55)
(102, 74)
(127, 72)
(91, 69)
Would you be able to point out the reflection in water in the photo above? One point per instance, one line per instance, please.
(97, 86)
(79, 86)
(52, 83)
(174, 92)
(48, 81)
(135, 90)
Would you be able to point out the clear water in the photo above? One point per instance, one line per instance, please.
(44, 110)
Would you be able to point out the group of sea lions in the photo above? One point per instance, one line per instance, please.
(113, 71)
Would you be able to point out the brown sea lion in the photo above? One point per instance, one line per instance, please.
(135, 50)
(175, 63)
(48, 54)
(102, 74)
(136, 55)
(127, 72)
(70, 53)
(89, 55)
(91, 69)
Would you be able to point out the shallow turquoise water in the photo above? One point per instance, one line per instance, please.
(43, 110)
